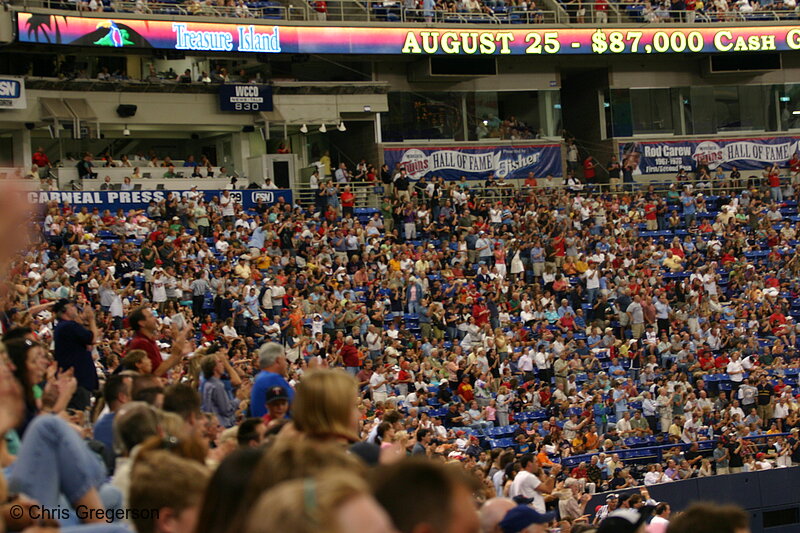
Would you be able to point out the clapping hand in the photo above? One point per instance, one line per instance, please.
(66, 381)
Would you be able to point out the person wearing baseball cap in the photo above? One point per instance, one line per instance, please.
(624, 521)
(277, 401)
(612, 501)
(524, 519)
(73, 336)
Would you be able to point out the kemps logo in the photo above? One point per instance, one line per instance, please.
(265, 196)
(415, 162)
(708, 153)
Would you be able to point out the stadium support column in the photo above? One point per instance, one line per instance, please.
(240, 152)
(21, 146)
(547, 102)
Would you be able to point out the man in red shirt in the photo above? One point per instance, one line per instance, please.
(560, 247)
(41, 160)
(794, 167)
(465, 390)
(145, 327)
(650, 216)
(774, 179)
(588, 169)
(348, 201)
(777, 322)
(351, 356)
(480, 312)
(601, 11)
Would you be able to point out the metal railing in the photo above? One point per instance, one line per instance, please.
(366, 194)
(638, 12)
(493, 15)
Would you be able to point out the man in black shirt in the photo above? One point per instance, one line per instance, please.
(735, 450)
(74, 335)
(764, 400)
(401, 184)
(85, 167)
(614, 172)
(793, 440)
(452, 418)
(693, 456)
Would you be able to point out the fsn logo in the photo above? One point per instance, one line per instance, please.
(266, 196)
(10, 89)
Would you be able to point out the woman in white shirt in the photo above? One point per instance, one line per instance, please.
(228, 331)
(159, 288)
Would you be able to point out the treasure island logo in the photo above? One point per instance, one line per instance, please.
(116, 37)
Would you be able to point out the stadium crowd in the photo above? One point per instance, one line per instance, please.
(537, 345)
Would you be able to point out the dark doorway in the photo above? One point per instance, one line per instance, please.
(581, 108)
(280, 171)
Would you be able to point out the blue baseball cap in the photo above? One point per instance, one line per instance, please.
(522, 516)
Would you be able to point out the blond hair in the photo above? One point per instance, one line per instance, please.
(325, 403)
(161, 479)
(306, 505)
(290, 459)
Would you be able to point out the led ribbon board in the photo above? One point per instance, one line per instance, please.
(459, 40)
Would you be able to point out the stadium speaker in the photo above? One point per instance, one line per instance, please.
(195, 136)
(248, 128)
(126, 110)
(30, 125)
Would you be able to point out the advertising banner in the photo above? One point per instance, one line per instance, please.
(451, 163)
(12, 93)
(667, 157)
(453, 40)
(114, 200)
(248, 98)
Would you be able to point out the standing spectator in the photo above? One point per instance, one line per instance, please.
(273, 364)
(528, 484)
(348, 201)
(601, 13)
(227, 204)
(145, 330)
(341, 175)
(401, 185)
(572, 156)
(589, 173)
(41, 160)
(214, 396)
(199, 289)
(73, 336)
(773, 175)
(636, 317)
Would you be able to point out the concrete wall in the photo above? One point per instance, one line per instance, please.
(759, 493)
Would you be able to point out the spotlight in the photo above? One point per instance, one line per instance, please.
(341, 126)
(303, 129)
(323, 129)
